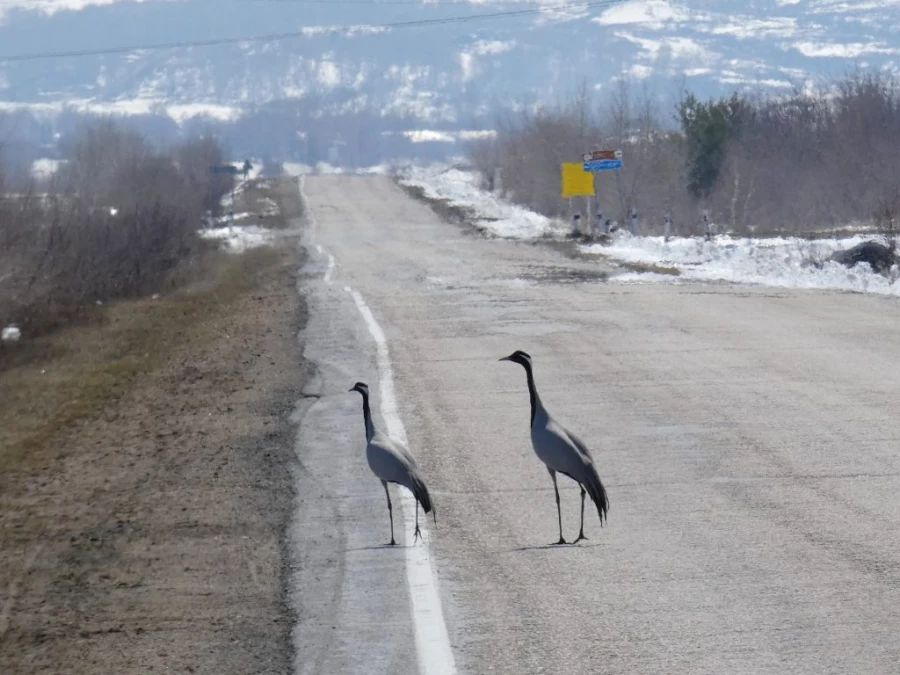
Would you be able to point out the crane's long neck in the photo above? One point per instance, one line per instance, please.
(367, 415)
(532, 391)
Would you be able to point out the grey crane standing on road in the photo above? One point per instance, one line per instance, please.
(561, 451)
(392, 462)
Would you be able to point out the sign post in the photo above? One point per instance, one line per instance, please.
(597, 161)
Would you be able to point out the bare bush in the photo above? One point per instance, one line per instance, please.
(121, 216)
(812, 161)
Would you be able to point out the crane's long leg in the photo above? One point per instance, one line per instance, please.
(390, 512)
(558, 509)
(418, 531)
(581, 531)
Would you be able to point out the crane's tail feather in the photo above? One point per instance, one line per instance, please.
(595, 489)
(420, 492)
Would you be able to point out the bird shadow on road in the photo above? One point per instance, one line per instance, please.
(548, 547)
(379, 547)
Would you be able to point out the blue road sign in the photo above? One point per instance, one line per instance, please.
(603, 165)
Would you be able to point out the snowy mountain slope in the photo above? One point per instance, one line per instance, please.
(442, 72)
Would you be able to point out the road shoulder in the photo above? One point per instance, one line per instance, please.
(151, 535)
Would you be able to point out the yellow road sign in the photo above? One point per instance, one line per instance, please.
(576, 182)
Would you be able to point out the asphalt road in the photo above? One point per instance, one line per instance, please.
(748, 438)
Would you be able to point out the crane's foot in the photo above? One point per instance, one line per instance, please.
(417, 535)
(580, 537)
(393, 543)
(561, 542)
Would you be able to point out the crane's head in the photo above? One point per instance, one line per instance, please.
(519, 357)
(361, 387)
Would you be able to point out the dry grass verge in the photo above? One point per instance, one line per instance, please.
(146, 485)
(48, 383)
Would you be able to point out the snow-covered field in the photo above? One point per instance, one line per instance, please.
(786, 262)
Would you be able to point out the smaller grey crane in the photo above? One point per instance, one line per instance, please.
(561, 451)
(392, 462)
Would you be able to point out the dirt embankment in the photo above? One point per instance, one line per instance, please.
(142, 509)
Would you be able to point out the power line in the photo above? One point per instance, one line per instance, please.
(425, 4)
(376, 3)
(309, 31)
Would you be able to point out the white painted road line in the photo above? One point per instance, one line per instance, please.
(311, 220)
(432, 640)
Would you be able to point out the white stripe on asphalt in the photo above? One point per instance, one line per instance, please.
(432, 640)
(311, 220)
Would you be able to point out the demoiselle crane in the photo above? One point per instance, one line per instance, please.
(392, 462)
(561, 451)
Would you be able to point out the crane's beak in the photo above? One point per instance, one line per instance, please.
(505, 358)
(352, 389)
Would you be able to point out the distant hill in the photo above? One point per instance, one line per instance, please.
(443, 75)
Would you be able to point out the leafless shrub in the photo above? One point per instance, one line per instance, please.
(813, 161)
(120, 218)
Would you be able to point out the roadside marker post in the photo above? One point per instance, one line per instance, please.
(634, 222)
(667, 228)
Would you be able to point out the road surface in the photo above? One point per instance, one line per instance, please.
(748, 438)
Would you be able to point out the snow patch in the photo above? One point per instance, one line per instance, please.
(848, 50)
(429, 136)
(653, 14)
(784, 262)
(11, 334)
(48, 7)
(45, 168)
(746, 27)
(328, 74)
(179, 112)
(462, 189)
(239, 238)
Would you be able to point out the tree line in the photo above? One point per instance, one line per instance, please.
(807, 161)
